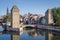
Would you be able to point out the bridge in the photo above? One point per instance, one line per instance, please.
(43, 27)
(49, 28)
(28, 25)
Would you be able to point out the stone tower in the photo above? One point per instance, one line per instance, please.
(49, 17)
(15, 17)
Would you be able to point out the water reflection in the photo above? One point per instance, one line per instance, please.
(15, 37)
(35, 33)
(7, 35)
(56, 37)
(32, 35)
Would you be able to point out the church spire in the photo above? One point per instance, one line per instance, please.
(7, 11)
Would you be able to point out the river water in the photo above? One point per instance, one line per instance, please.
(25, 35)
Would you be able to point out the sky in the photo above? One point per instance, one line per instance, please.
(25, 6)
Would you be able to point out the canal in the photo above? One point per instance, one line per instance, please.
(31, 34)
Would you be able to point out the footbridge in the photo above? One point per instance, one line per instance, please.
(44, 27)
(28, 25)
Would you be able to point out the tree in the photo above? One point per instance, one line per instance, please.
(58, 21)
(5, 18)
(56, 13)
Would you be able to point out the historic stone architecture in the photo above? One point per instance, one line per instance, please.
(15, 17)
(49, 17)
(9, 16)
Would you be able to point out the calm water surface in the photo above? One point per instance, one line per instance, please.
(26, 35)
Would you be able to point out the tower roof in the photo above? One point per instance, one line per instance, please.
(14, 7)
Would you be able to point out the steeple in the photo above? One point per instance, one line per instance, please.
(7, 11)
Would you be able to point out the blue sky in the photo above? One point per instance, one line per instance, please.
(32, 6)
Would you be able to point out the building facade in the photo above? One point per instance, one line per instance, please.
(15, 17)
(49, 17)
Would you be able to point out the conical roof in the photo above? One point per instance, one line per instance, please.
(14, 7)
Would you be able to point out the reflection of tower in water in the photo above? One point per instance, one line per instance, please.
(15, 37)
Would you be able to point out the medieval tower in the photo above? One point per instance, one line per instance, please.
(49, 17)
(15, 17)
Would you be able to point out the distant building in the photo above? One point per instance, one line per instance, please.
(27, 18)
(1, 18)
(49, 17)
(21, 20)
(42, 20)
(34, 19)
